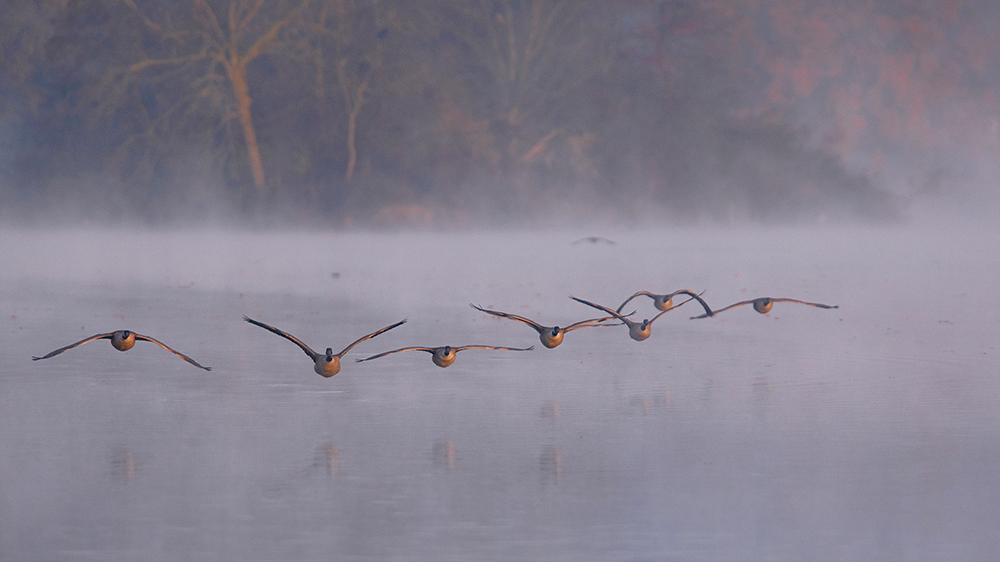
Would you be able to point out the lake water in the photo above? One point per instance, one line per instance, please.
(868, 432)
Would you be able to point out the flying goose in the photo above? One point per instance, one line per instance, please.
(666, 302)
(763, 305)
(325, 364)
(122, 340)
(445, 355)
(550, 336)
(638, 331)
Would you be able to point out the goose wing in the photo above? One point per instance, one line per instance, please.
(695, 296)
(72, 345)
(599, 307)
(171, 350)
(816, 304)
(678, 305)
(312, 354)
(384, 353)
(639, 294)
(662, 312)
(590, 323)
(529, 348)
(371, 335)
(538, 327)
(734, 305)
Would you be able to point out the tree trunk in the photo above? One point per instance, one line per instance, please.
(354, 103)
(238, 77)
(352, 150)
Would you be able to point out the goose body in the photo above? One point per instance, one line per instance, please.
(122, 340)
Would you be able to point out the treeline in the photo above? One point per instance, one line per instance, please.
(395, 112)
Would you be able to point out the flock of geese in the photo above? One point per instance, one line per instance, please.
(328, 364)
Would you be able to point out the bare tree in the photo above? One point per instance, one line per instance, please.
(200, 49)
(348, 37)
(524, 59)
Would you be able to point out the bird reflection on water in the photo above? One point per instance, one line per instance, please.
(550, 462)
(443, 453)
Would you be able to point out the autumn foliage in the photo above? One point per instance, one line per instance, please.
(388, 112)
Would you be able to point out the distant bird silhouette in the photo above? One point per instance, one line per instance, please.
(763, 305)
(666, 302)
(550, 336)
(445, 355)
(325, 364)
(594, 240)
(638, 331)
(123, 340)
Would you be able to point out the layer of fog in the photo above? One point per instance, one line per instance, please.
(869, 429)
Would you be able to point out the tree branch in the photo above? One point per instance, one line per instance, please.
(266, 39)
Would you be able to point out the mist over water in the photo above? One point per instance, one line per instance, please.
(360, 163)
(865, 432)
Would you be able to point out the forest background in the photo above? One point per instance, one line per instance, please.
(509, 112)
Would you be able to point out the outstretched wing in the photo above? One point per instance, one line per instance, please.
(174, 351)
(734, 305)
(590, 323)
(816, 304)
(599, 307)
(538, 327)
(529, 348)
(639, 294)
(383, 354)
(697, 297)
(371, 335)
(662, 312)
(72, 345)
(312, 354)
(751, 301)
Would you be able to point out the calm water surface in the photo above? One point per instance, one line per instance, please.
(870, 432)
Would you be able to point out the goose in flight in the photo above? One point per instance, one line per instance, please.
(123, 340)
(638, 331)
(445, 355)
(550, 336)
(763, 305)
(594, 240)
(666, 302)
(325, 364)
